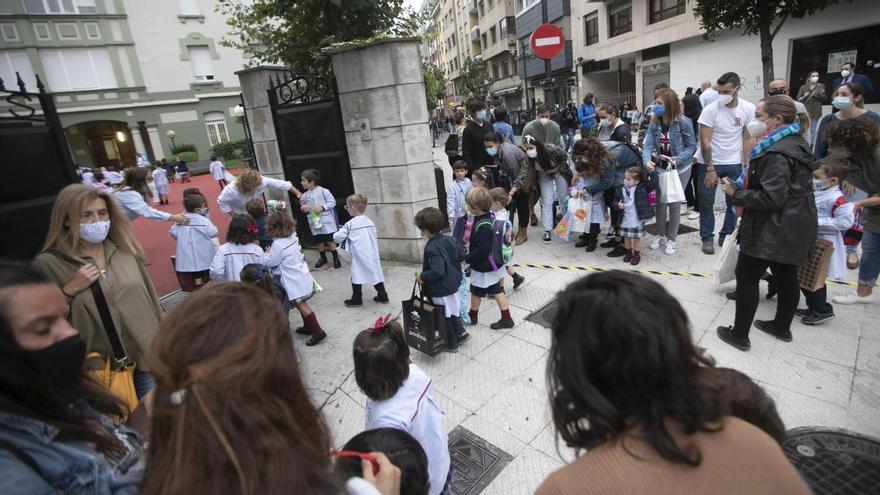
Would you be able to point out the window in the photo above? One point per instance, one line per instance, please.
(78, 69)
(12, 61)
(492, 37)
(591, 29)
(503, 27)
(491, 5)
(482, 9)
(60, 6)
(67, 30)
(505, 69)
(189, 7)
(93, 32)
(513, 66)
(525, 4)
(216, 124)
(9, 32)
(619, 18)
(200, 58)
(484, 38)
(665, 9)
(495, 72)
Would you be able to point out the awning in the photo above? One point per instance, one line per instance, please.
(514, 89)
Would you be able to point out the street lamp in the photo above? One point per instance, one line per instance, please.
(171, 135)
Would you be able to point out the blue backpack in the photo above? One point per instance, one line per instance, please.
(502, 241)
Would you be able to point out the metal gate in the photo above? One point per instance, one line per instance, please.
(36, 164)
(308, 127)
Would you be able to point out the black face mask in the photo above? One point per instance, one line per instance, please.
(61, 362)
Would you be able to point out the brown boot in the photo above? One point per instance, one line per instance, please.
(521, 236)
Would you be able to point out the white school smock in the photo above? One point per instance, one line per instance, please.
(597, 201)
(285, 258)
(218, 170)
(231, 258)
(323, 198)
(363, 244)
(160, 180)
(88, 178)
(195, 244)
(413, 410)
(113, 177)
(455, 204)
(134, 205)
(630, 215)
(835, 216)
(232, 201)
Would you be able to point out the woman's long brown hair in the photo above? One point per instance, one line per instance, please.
(231, 413)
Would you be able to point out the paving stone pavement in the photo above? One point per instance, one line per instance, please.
(495, 387)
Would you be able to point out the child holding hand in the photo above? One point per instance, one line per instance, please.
(499, 211)
(484, 280)
(632, 198)
(318, 204)
(361, 240)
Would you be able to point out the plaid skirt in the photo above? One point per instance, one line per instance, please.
(633, 232)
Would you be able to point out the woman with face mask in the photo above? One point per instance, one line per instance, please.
(779, 220)
(812, 94)
(548, 169)
(849, 99)
(90, 242)
(56, 431)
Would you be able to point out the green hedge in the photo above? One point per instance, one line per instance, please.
(188, 156)
(232, 149)
(180, 148)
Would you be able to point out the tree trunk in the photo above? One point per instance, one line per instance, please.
(766, 54)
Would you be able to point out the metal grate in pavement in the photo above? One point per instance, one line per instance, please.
(682, 229)
(835, 461)
(476, 462)
(543, 315)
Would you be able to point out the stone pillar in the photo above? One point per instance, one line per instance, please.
(255, 83)
(136, 139)
(385, 118)
(156, 142)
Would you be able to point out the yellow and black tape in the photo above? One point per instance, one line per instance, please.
(643, 272)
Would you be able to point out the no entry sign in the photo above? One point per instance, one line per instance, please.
(546, 41)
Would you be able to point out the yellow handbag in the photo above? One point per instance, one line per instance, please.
(119, 382)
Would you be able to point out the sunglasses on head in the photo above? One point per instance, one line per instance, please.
(359, 455)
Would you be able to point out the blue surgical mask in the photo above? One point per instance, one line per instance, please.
(659, 109)
(841, 102)
(492, 151)
(481, 115)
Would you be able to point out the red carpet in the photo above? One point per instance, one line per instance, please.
(154, 236)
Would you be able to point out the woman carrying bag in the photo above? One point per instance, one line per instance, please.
(90, 244)
(670, 145)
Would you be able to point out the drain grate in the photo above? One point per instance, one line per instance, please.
(476, 462)
(682, 229)
(544, 315)
(835, 461)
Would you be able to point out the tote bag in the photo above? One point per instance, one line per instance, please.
(725, 264)
(424, 323)
(671, 190)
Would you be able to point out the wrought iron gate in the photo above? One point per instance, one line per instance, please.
(308, 127)
(36, 164)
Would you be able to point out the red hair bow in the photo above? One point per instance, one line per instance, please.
(252, 228)
(380, 323)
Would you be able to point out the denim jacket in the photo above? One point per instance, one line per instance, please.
(682, 142)
(65, 466)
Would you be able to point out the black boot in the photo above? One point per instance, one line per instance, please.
(381, 294)
(322, 260)
(336, 262)
(356, 296)
(771, 287)
(517, 280)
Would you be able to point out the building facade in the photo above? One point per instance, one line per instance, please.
(127, 75)
(550, 81)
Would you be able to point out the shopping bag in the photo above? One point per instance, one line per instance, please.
(580, 211)
(119, 382)
(813, 272)
(670, 187)
(563, 228)
(725, 264)
(464, 295)
(424, 323)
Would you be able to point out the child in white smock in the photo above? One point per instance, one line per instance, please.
(241, 248)
(160, 181)
(319, 206)
(195, 242)
(455, 193)
(361, 240)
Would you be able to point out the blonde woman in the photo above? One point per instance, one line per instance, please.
(249, 184)
(90, 242)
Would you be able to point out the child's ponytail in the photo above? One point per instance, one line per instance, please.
(261, 276)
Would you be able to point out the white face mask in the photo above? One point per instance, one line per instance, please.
(606, 122)
(543, 120)
(845, 73)
(757, 128)
(724, 99)
(814, 79)
(532, 153)
(94, 232)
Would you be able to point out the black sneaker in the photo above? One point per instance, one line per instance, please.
(353, 302)
(303, 331)
(502, 323)
(546, 238)
(336, 262)
(517, 280)
(463, 338)
(591, 245)
(581, 243)
(816, 318)
(316, 339)
(610, 243)
(802, 313)
(321, 262)
(767, 327)
(731, 296)
(452, 350)
(381, 298)
(726, 334)
(617, 252)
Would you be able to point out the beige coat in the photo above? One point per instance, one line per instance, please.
(130, 296)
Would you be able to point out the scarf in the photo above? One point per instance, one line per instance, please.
(774, 137)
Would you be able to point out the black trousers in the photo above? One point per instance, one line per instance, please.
(748, 275)
(520, 204)
(357, 290)
(616, 213)
(818, 300)
(691, 194)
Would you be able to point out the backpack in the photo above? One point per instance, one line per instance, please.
(502, 241)
(451, 145)
(461, 231)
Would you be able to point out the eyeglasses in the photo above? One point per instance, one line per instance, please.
(358, 455)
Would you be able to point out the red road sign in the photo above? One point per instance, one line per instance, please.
(547, 41)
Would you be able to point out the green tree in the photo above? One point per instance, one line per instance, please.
(435, 84)
(762, 17)
(472, 81)
(294, 32)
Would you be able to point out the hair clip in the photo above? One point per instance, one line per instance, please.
(380, 323)
(177, 396)
(358, 455)
(252, 228)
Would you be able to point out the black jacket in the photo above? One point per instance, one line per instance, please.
(480, 245)
(779, 220)
(441, 267)
(472, 146)
(644, 208)
(692, 106)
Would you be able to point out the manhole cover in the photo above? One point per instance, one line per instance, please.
(682, 229)
(476, 461)
(544, 315)
(834, 461)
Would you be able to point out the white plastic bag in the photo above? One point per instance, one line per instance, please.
(671, 190)
(580, 213)
(725, 264)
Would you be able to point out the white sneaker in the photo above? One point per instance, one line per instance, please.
(693, 215)
(854, 298)
(658, 240)
(670, 248)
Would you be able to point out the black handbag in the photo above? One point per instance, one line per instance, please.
(424, 323)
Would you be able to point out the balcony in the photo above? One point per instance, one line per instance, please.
(475, 35)
(472, 7)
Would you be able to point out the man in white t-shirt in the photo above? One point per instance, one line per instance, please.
(708, 95)
(725, 144)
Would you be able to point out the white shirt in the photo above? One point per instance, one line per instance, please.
(630, 215)
(218, 170)
(113, 177)
(286, 258)
(727, 131)
(88, 178)
(231, 258)
(134, 205)
(232, 201)
(708, 96)
(455, 193)
(195, 244)
(413, 410)
(361, 240)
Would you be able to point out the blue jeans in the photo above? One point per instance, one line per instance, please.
(707, 200)
(869, 267)
(143, 383)
(568, 138)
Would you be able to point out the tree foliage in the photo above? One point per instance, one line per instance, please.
(435, 84)
(472, 81)
(762, 17)
(294, 32)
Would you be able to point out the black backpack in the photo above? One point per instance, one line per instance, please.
(451, 146)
